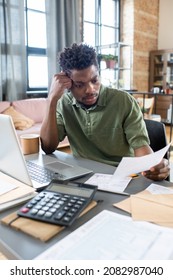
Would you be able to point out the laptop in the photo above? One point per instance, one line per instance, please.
(14, 164)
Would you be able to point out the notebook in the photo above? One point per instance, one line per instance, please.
(13, 163)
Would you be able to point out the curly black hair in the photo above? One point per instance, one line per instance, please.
(78, 56)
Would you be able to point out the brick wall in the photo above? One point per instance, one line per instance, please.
(139, 21)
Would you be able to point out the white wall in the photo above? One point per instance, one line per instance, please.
(165, 32)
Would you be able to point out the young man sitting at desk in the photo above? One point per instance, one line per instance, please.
(102, 124)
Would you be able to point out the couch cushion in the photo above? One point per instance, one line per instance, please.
(4, 105)
(20, 121)
(33, 108)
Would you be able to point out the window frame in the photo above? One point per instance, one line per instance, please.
(98, 22)
(33, 51)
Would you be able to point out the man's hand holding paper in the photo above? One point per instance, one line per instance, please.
(152, 166)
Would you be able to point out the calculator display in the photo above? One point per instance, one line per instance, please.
(72, 190)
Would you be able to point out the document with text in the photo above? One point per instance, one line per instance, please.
(130, 165)
(110, 236)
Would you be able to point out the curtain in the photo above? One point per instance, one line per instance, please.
(63, 29)
(12, 50)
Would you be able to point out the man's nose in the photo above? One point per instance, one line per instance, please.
(89, 87)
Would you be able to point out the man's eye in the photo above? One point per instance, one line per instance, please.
(78, 85)
(95, 81)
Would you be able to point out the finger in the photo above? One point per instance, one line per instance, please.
(157, 174)
(164, 163)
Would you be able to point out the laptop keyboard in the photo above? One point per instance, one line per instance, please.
(39, 173)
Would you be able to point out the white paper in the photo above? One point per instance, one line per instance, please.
(110, 236)
(6, 187)
(104, 183)
(130, 165)
(157, 189)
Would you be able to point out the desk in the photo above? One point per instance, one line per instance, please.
(17, 245)
(155, 105)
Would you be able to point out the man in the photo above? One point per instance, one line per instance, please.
(101, 123)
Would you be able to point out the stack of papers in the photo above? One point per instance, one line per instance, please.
(13, 192)
(155, 204)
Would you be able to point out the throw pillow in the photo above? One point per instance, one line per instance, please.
(20, 121)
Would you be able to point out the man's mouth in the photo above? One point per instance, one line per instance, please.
(90, 98)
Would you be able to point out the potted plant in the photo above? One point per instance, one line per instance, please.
(110, 60)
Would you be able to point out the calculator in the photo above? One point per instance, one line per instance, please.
(59, 203)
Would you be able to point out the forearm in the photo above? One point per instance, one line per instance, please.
(145, 150)
(49, 131)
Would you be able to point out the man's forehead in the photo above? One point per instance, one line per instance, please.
(84, 75)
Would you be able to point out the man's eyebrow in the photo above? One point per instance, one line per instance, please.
(81, 82)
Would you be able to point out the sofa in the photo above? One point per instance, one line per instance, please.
(27, 115)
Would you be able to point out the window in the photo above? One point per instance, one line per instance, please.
(36, 44)
(101, 22)
(101, 25)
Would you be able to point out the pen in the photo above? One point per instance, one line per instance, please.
(134, 175)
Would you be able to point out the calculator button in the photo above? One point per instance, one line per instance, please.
(33, 202)
(48, 214)
(52, 210)
(69, 204)
(61, 202)
(66, 208)
(42, 203)
(67, 196)
(29, 205)
(42, 195)
(34, 211)
(77, 206)
(57, 206)
(49, 204)
(38, 207)
(69, 214)
(79, 202)
(73, 210)
(45, 208)
(82, 199)
(53, 201)
(41, 213)
(38, 198)
(66, 219)
(24, 210)
(59, 215)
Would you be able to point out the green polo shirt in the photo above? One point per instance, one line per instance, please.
(105, 133)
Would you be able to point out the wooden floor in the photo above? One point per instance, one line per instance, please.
(168, 135)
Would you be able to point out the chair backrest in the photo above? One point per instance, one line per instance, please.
(157, 135)
(147, 104)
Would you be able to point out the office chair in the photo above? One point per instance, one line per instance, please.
(157, 136)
